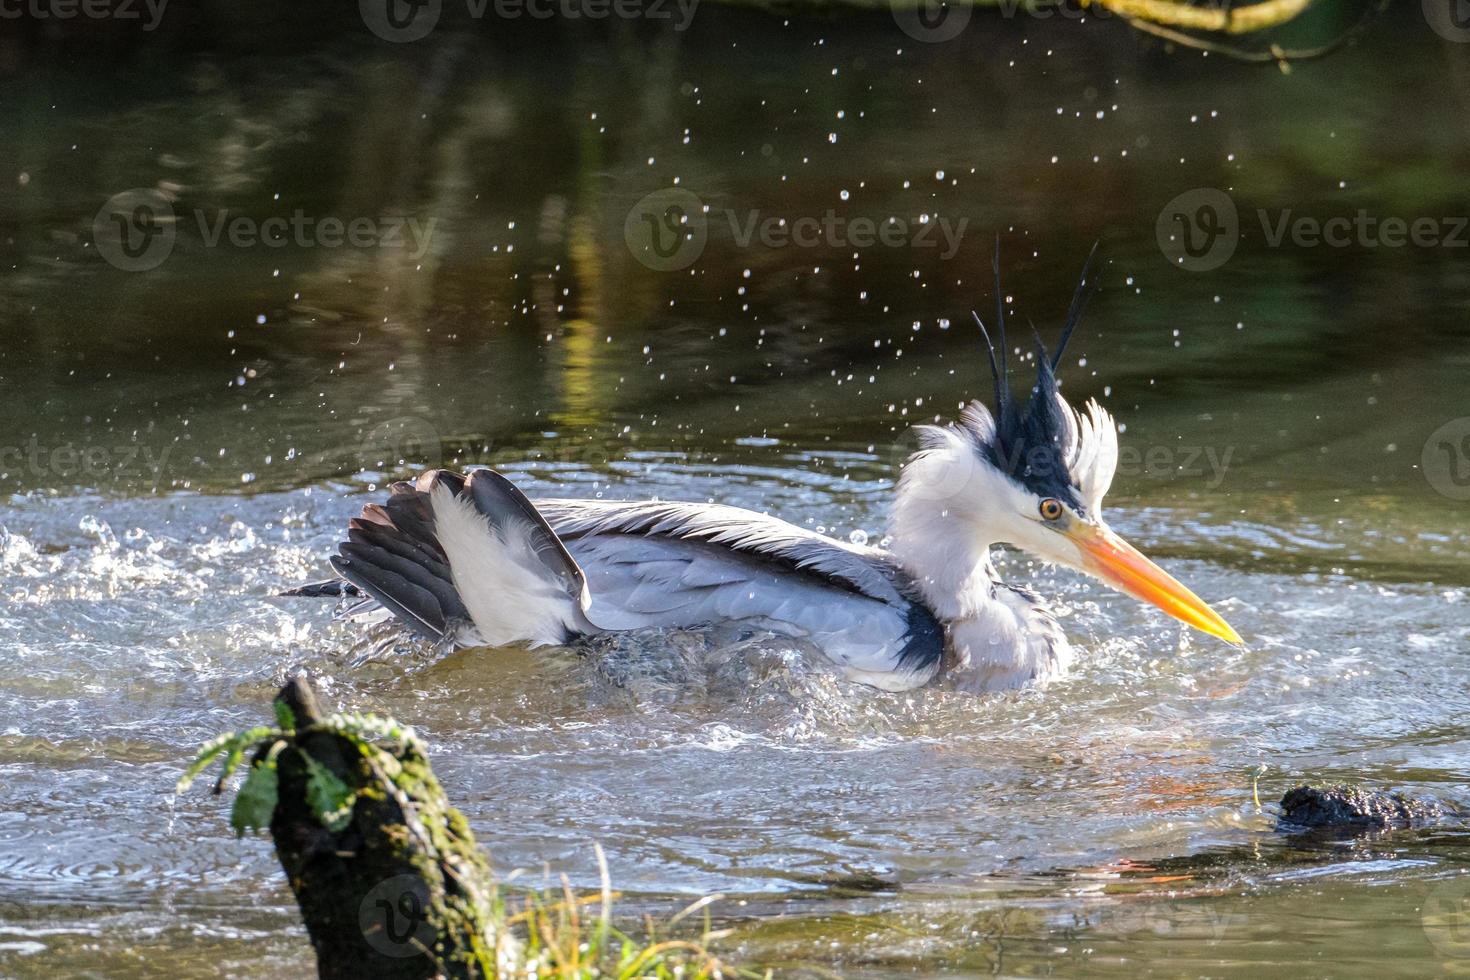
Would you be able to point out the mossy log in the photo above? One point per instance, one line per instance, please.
(396, 888)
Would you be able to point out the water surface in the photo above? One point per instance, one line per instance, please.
(190, 439)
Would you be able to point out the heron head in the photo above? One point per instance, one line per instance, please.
(1034, 474)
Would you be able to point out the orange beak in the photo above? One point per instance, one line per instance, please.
(1122, 566)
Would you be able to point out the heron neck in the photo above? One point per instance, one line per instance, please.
(947, 555)
(997, 637)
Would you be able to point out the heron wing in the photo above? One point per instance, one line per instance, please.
(680, 564)
(864, 570)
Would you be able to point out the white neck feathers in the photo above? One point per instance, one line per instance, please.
(945, 520)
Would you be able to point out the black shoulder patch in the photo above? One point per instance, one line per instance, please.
(923, 647)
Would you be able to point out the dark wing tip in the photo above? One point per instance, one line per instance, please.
(330, 589)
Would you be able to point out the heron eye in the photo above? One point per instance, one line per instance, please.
(1051, 509)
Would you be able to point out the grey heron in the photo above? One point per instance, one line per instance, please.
(467, 559)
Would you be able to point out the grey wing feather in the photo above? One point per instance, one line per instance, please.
(454, 579)
(675, 564)
(864, 570)
(502, 502)
(408, 600)
(658, 564)
(331, 589)
(392, 554)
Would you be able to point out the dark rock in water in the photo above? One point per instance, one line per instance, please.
(1357, 808)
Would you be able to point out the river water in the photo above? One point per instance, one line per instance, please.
(187, 439)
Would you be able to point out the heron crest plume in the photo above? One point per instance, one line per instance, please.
(1043, 444)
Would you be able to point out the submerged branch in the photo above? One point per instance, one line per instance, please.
(1173, 31)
